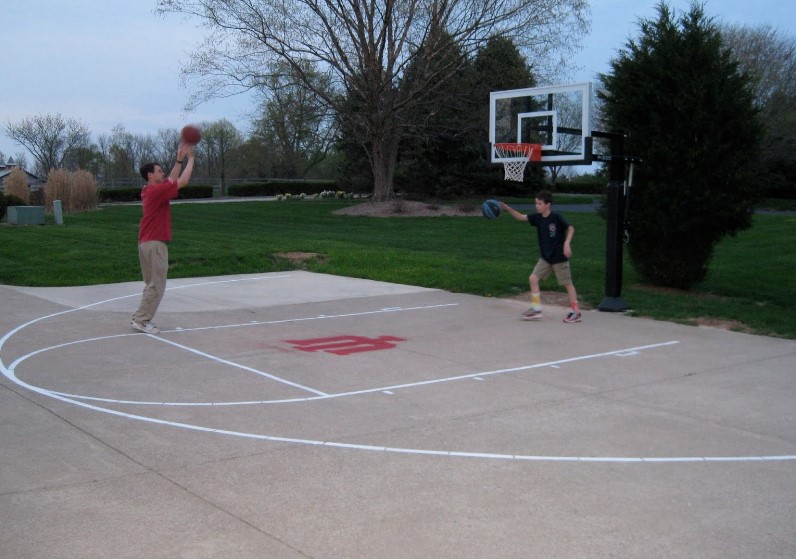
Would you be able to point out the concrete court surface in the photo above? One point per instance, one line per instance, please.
(294, 414)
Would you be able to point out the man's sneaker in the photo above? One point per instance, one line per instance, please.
(573, 317)
(147, 328)
(532, 314)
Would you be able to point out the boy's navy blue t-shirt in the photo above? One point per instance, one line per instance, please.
(552, 232)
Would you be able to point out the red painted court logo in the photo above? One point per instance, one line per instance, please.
(345, 345)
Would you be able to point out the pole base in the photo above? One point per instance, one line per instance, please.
(612, 304)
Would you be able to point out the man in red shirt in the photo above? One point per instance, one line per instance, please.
(154, 233)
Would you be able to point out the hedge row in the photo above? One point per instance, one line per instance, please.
(133, 194)
(260, 188)
(274, 187)
(581, 186)
(9, 200)
(488, 184)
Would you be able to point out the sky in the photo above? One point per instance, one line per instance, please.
(111, 62)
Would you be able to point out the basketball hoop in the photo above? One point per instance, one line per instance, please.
(516, 156)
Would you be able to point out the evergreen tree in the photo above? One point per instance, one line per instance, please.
(498, 66)
(448, 153)
(436, 128)
(690, 116)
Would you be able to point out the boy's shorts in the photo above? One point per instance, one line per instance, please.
(563, 275)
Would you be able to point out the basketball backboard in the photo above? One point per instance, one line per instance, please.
(558, 117)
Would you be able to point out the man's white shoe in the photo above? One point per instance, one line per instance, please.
(147, 328)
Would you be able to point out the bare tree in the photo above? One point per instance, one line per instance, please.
(770, 58)
(49, 138)
(766, 54)
(365, 47)
(164, 145)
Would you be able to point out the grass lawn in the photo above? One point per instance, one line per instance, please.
(750, 286)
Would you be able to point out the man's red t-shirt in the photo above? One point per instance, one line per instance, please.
(156, 221)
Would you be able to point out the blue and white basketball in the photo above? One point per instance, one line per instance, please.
(491, 209)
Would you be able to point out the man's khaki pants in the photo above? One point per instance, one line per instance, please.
(154, 258)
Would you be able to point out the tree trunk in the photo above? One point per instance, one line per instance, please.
(383, 158)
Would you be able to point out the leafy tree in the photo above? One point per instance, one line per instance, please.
(87, 158)
(49, 138)
(219, 141)
(689, 114)
(125, 153)
(770, 58)
(251, 159)
(366, 46)
(294, 121)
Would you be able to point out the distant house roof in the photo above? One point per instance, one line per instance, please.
(6, 169)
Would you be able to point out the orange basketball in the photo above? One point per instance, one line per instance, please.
(191, 134)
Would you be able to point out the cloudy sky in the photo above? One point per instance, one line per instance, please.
(110, 62)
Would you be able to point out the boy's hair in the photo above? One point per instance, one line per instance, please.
(147, 168)
(545, 196)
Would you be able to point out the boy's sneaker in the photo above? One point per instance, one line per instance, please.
(573, 317)
(147, 328)
(532, 314)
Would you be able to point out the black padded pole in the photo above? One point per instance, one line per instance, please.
(615, 218)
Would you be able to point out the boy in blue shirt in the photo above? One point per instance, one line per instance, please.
(555, 235)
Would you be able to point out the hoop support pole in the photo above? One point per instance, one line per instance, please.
(615, 218)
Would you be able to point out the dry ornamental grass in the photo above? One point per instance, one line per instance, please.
(76, 190)
(17, 184)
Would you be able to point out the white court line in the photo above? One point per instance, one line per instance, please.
(10, 374)
(238, 365)
(21, 359)
(307, 318)
(411, 451)
(10, 333)
(384, 389)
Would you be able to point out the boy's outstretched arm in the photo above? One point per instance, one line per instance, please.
(567, 241)
(514, 213)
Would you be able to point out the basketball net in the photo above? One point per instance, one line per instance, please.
(517, 156)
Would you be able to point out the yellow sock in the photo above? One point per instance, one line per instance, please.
(536, 300)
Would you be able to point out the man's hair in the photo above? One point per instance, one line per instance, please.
(545, 196)
(147, 168)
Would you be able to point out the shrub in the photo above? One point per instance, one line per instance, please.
(582, 184)
(36, 197)
(132, 194)
(9, 200)
(14, 200)
(196, 191)
(683, 202)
